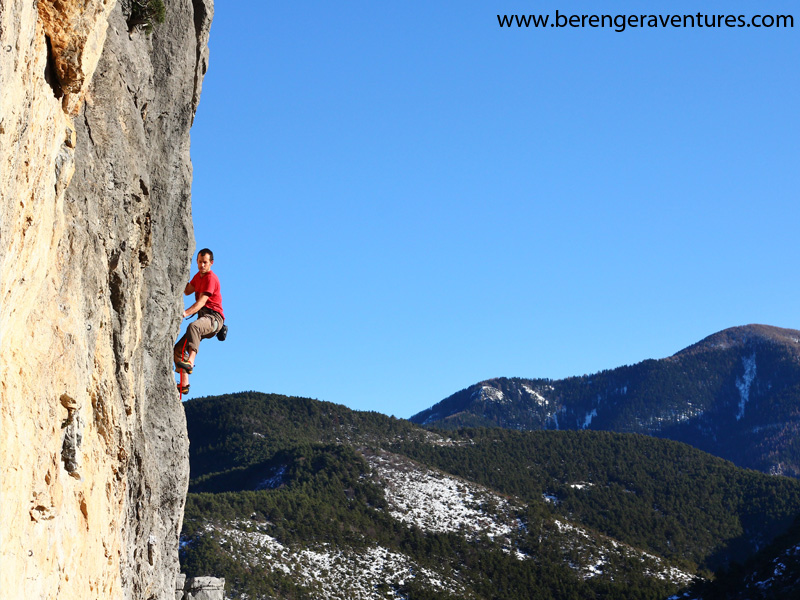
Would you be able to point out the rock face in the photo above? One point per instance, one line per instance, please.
(95, 246)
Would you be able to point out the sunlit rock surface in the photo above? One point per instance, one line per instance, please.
(95, 245)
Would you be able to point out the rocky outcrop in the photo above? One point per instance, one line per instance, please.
(95, 244)
(199, 588)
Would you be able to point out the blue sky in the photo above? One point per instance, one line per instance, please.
(404, 199)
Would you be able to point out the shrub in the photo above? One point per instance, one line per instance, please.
(144, 13)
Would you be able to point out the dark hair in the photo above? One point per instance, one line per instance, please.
(206, 251)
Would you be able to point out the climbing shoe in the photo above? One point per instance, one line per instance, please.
(184, 364)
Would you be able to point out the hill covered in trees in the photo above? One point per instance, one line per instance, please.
(296, 498)
(771, 574)
(735, 394)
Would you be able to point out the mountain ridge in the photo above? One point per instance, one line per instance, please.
(735, 394)
(741, 335)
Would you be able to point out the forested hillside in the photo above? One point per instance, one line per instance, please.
(735, 394)
(295, 498)
(771, 574)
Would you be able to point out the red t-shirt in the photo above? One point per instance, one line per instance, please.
(208, 285)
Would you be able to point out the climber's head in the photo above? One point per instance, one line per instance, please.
(205, 258)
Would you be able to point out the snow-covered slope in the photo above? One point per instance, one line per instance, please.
(419, 497)
(438, 502)
(328, 572)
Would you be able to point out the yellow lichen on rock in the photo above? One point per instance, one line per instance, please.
(75, 31)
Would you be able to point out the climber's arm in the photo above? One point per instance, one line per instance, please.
(194, 308)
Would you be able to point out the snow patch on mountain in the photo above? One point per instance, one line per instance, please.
(688, 413)
(273, 481)
(777, 582)
(330, 573)
(553, 419)
(488, 393)
(580, 486)
(535, 395)
(779, 569)
(588, 418)
(440, 503)
(749, 363)
(594, 553)
(671, 416)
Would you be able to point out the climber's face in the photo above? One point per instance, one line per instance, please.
(204, 263)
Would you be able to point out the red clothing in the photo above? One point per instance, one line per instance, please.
(208, 285)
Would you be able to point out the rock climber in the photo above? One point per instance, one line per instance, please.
(210, 318)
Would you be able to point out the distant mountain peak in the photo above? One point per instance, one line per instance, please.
(746, 335)
(735, 394)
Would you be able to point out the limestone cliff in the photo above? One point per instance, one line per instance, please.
(95, 244)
